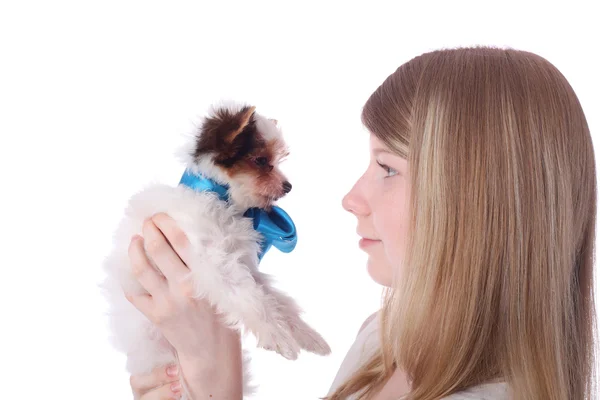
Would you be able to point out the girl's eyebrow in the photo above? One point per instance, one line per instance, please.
(380, 150)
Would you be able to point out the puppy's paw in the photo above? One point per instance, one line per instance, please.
(310, 340)
(281, 342)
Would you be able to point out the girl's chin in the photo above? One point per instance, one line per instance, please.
(379, 272)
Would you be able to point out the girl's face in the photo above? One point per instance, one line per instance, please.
(380, 200)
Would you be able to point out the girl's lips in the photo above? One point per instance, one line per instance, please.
(364, 242)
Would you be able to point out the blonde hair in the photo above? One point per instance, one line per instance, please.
(497, 281)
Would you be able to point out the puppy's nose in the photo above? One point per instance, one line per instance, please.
(287, 187)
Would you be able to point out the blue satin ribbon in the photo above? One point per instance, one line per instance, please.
(276, 226)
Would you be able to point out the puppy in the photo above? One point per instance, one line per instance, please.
(227, 192)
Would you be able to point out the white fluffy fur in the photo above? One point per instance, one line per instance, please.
(223, 269)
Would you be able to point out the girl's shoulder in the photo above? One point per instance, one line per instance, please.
(485, 391)
(367, 321)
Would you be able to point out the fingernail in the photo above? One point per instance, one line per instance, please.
(176, 387)
(172, 370)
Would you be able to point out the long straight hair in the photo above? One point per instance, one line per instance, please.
(497, 280)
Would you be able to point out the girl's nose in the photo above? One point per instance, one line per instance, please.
(354, 201)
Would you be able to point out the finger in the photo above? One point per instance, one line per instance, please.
(158, 377)
(162, 252)
(143, 302)
(174, 235)
(143, 270)
(164, 392)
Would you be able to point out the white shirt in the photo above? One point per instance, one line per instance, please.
(367, 342)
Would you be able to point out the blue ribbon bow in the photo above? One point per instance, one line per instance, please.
(276, 226)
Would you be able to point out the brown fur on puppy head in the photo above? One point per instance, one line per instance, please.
(247, 148)
(228, 135)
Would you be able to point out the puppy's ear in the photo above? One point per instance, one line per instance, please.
(242, 119)
(221, 133)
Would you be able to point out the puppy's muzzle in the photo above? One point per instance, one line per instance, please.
(287, 187)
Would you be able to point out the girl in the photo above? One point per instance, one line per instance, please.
(477, 211)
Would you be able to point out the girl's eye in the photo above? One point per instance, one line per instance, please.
(390, 171)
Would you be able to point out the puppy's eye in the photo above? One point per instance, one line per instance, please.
(261, 161)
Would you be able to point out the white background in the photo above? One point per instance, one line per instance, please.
(95, 97)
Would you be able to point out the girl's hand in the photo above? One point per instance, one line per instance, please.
(169, 305)
(209, 353)
(161, 384)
